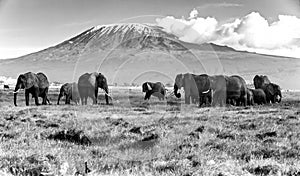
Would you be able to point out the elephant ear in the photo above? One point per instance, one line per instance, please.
(265, 80)
(68, 87)
(149, 87)
(30, 80)
(42, 80)
(270, 88)
(188, 76)
(178, 79)
(93, 77)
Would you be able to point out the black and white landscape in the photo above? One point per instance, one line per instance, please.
(187, 124)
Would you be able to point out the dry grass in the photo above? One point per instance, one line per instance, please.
(132, 137)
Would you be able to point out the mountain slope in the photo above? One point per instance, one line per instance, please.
(133, 52)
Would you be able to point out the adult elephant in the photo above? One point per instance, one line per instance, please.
(70, 91)
(187, 81)
(88, 85)
(35, 84)
(259, 96)
(260, 81)
(236, 89)
(228, 89)
(273, 93)
(204, 90)
(156, 89)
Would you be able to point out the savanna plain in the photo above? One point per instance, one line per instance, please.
(134, 137)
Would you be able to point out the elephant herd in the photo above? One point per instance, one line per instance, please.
(218, 90)
(215, 90)
(38, 85)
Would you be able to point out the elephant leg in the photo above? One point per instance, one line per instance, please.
(187, 99)
(222, 99)
(36, 97)
(49, 102)
(264, 101)
(162, 96)
(69, 97)
(273, 100)
(200, 101)
(44, 102)
(85, 100)
(148, 95)
(216, 99)
(82, 99)
(96, 96)
(66, 100)
(193, 100)
(46, 97)
(27, 97)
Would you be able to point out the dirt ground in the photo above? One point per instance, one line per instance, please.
(134, 137)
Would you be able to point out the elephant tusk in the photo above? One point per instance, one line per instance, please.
(171, 94)
(107, 94)
(16, 91)
(205, 92)
(149, 87)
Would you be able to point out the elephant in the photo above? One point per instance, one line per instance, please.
(260, 81)
(227, 89)
(35, 84)
(156, 89)
(273, 93)
(5, 86)
(88, 85)
(236, 89)
(70, 90)
(187, 81)
(205, 98)
(204, 90)
(259, 96)
(250, 97)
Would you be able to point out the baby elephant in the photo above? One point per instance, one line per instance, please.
(70, 90)
(156, 89)
(259, 96)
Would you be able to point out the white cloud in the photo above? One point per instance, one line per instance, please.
(194, 13)
(197, 30)
(251, 33)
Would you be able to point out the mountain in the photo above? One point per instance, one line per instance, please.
(133, 53)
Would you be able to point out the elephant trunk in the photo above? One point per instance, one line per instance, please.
(15, 94)
(178, 95)
(59, 96)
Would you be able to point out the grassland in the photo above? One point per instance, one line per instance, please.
(133, 137)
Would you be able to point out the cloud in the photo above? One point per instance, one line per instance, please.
(194, 13)
(197, 30)
(251, 33)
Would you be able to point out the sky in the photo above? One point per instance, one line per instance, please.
(264, 26)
